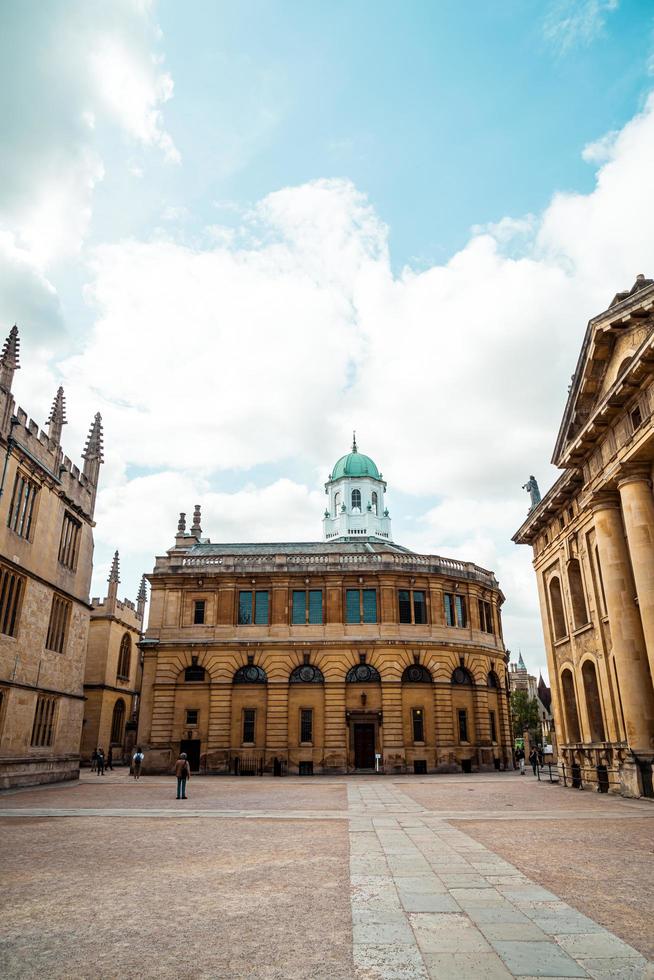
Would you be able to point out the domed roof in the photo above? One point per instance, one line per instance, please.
(355, 464)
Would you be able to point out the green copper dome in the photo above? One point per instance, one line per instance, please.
(355, 464)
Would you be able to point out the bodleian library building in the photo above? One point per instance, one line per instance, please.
(592, 537)
(348, 654)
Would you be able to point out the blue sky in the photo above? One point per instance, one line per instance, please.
(241, 230)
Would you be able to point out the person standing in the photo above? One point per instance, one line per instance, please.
(94, 760)
(520, 756)
(110, 759)
(137, 762)
(533, 758)
(100, 762)
(183, 772)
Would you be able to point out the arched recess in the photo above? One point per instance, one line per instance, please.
(249, 708)
(493, 680)
(571, 713)
(416, 674)
(577, 594)
(557, 611)
(306, 674)
(118, 723)
(461, 675)
(418, 721)
(306, 711)
(363, 674)
(463, 706)
(124, 658)
(250, 674)
(593, 701)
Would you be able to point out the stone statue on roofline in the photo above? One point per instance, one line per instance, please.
(531, 486)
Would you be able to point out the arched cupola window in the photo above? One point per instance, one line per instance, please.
(306, 674)
(461, 676)
(362, 674)
(375, 502)
(250, 674)
(356, 500)
(416, 674)
(124, 657)
(337, 502)
(193, 673)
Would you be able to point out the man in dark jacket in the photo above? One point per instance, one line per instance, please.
(533, 758)
(183, 772)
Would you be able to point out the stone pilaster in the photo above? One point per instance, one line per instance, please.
(626, 631)
(392, 733)
(335, 726)
(638, 513)
(277, 720)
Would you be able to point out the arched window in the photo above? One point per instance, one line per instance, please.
(593, 702)
(579, 611)
(375, 502)
(556, 609)
(416, 674)
(493, 680)
(124, 657)
(356, 500)
(306, 674)
(337, 502)
(461, 676)
(250, 675)
(570, 707)
(193, 673)
(118, 722)
(362, 674)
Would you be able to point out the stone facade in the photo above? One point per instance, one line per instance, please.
(112, 678)
(593, 542)
(321, 656)
(46, 554)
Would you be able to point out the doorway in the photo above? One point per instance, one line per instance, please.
(364, 746)
(192, 748)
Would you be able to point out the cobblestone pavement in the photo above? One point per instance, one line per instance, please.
(445, 879)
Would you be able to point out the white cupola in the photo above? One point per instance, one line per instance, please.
(356, 508)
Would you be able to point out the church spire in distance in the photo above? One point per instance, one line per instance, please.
(354, 442)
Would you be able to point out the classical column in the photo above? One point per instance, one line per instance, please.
(638, 512)
(392, 732)
(627, 638)
(277, 719)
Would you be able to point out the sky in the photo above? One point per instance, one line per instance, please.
(240, 231)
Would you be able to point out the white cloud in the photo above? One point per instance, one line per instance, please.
(576, 23)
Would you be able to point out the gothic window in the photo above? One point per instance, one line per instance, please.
(362, 674)
(570, 707)
(12, 587)
(593, 702)
(124, 658)
(306, 607)
(412, 606)
(375, 502)
(58, 625)
(69, 541)
(306, 674)
(44, 721)
(337, 502)
(361, 605)
(556, 609)
(461, 676)
(455, 610)
(250, 674)
(118, 722)
(356, 500)
(253, 608)
(418, 720)
(21, 511)
(416, 674)
(576, 583)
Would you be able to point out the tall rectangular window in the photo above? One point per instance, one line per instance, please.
(485, 616)
(418, 719)
(419, 607)
(253, 607)
(463, 725)
(58, 625)
(69, 541)
(455, 610)
(249, 718)
(306, 725)
(21, 511)
(198, 612)
(353, 606)
(192, 716)
(307, 606)
(369, 605)
(12, 587)
(413, 606)
(261, 608)
(493, 726)
(44, 722)
(404, 598)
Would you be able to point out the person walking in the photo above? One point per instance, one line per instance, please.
(533, 758)
(94, 760)
(520, 757)
(100, 762)
(137, 762)
(183, 772)
(110, 759)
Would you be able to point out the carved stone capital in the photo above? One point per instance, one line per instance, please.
(635, 473)
(605, 500)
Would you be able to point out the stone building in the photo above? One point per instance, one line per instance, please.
(112, 678)
(593, 543)
(521, 680)
(46, 555)
(323, 656)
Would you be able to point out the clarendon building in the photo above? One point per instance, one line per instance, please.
(46, 555)
(324, 657)
(112, 677)
(592, 537)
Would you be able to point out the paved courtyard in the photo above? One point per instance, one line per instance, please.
(492, 876)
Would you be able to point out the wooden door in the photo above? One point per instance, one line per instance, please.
(364, 746)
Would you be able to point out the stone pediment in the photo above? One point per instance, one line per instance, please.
(611, 345)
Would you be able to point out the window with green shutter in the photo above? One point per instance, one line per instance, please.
(315, 606)
(244, 608)
(299, 608)
(352, 606)
(370, 605)
(261, 608)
